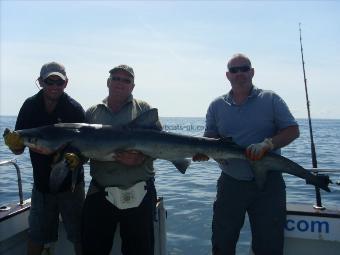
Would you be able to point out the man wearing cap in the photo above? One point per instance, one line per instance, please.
(121, 191)
(49, 106)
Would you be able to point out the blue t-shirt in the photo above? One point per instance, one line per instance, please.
(261, 116)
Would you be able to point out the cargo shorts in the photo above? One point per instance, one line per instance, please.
(45, 210)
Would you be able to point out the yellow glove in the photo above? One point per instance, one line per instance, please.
(258, 150)
(72, 160)
(13, 140)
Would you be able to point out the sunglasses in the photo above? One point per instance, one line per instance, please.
(236, 69)
(124, 80)
(50, 82)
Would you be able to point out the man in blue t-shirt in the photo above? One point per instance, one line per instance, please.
(260, 121)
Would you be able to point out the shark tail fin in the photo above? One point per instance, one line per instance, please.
(320, 181)
(181, 164)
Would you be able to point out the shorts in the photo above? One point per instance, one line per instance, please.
(44, 215)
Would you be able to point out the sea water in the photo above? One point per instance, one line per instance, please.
(189, 198)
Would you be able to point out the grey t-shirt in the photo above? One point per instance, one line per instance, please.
(261, 116)
(111, 173)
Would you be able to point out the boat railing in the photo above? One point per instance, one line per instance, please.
(14, 163)
(323, 170)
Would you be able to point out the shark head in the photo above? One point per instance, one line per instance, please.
(45, 140)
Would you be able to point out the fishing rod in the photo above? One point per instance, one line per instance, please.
(314, 160)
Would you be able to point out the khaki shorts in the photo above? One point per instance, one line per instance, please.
(44, 215)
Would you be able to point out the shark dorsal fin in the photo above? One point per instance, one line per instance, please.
(147, 120)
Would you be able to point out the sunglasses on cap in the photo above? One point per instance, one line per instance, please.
(236, 69)
(124, 80)
(50, 82)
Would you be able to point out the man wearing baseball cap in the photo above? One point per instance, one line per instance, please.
(49, 106)
(121, 191)
(53, 68)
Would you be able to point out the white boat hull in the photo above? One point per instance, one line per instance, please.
(312, 231)
(14, 226)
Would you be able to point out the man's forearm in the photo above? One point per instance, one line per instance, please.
(285, 136)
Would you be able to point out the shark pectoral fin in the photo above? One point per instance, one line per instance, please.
(181, 164)
(57, 176)
(260, 175)
(56, 157)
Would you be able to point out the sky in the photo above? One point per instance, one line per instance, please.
(178, 49)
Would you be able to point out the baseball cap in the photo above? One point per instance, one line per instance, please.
(53, 68)
(125, 68)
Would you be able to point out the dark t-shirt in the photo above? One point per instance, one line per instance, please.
(33, 114)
